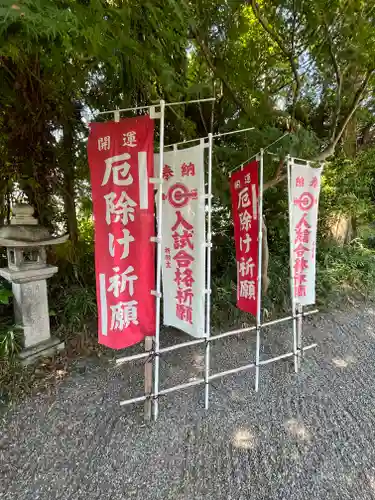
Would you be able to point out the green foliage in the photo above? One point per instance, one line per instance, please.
(5, 294)
(10, 341)
(344, 271)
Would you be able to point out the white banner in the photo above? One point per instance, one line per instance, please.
(183, 239)
(305, 188)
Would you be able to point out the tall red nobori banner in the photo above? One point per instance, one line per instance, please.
(121, 162)
(245, 209)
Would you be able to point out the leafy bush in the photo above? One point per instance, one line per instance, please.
(5, 293)
(10, 341)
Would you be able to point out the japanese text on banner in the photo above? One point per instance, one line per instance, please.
(305, 189)
(121, 162)
(183, 239)
(244, 191)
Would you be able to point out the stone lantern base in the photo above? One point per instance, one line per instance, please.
(31, 312)
(44, 349)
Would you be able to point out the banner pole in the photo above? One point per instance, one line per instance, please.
(158, 263)
(299, 333)
(208, 275)
(259, 284)
(148, 378)
(290, 204)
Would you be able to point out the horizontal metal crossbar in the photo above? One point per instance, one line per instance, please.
(214, 376)
(189, 343)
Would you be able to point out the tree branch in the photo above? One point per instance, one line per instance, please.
(339, 78)
(219, 74)
(287, 53)
(330, 149)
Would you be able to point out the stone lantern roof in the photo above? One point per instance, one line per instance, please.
(24, 230)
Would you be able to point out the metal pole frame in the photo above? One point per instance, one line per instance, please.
(213, 338)
(150, 106)
(208, 274)
(215, 376)
(156, 351)
(158, 266)
(292, 294)
(260, 243)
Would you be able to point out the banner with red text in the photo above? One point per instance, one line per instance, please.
(245, 209)
(305, 189)
(120, 157)
(183, 239)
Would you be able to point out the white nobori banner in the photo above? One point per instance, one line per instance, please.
(183, 239)
(304, 201)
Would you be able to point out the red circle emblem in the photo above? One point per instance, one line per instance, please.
(305, 201)
(179, 195)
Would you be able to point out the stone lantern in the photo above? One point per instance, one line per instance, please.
(28, 271)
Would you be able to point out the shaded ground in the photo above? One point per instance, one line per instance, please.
(306, 436)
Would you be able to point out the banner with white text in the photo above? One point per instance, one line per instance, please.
(245, 210)
(183, 239)
(120, 157)
(305, 188)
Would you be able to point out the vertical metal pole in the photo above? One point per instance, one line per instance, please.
(299, 333)
(208, 274)
(260, 242)
(148, 379)
(158, 262)
(290, 204)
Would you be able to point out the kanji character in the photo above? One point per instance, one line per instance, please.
(302, 235)
(237, 184)
(184, 313)
(183, 259)
(181, 221)
(187, 278)
(125, 241)
(299, 279)
(167, 172)
(245, 220)
(300, 265)
(183, 240)
(123, 314)
(121, 174)
(247, 179)
(167, 250)
(129, 139)
(300, 182)
(303, 222)
(246, 267)
(247, 289)
(300, 250)
(247, 240)
(104, 143)
(314, 182)
(300, 291)
(185, 296)
(243, 198)
(122, 210)
(118, 282)
(168, 264)
(187, 170)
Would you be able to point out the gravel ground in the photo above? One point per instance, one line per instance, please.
(305, 436)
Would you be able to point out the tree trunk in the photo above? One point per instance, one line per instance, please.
(68, 166)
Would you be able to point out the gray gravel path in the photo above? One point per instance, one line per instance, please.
(310, 436)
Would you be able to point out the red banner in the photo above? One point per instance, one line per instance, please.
(120, 157)
(244, 190)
